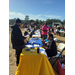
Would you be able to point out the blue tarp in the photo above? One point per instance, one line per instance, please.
(36, 41)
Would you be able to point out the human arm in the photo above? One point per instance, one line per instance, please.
(44, 42)
(44, 47)
(18, 34)
(44, 30)
(53, 49)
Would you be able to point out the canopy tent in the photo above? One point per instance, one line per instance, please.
(58, 26)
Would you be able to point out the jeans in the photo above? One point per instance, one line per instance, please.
(18, 51)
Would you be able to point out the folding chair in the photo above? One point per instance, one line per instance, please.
(61, 46)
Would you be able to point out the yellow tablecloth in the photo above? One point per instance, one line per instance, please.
(34, 64)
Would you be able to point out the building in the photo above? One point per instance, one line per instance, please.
(49, 26)
(64, 25)
(56, 24)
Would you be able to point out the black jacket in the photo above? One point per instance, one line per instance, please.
(16, 36)
(53, 51)
(30, 35)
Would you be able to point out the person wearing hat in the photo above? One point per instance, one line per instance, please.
(17, 39)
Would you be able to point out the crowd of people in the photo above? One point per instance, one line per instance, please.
(19, 41)
(58, 29)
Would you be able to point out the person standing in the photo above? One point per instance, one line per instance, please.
(17, 39)
(45, 29)
(54, 30)
(30, 28)
(51, 29)
(41, 30)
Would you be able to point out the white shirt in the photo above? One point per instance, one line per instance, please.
(57, 30)
(30, 28)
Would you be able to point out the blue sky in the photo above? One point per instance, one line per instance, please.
(37, 9)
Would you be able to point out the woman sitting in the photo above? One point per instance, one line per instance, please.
(50, 46)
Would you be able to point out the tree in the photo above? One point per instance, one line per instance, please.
(40, 22)
(49, 21)
(58, 20)
(22, 21)
(37, 21)
(43, 22)
(31, 20)
(64, 21)
(26, 19)
(54, 20)
(12, 21)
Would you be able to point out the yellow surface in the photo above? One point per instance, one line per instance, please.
(32, 63)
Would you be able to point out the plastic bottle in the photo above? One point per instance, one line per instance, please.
(38, 50)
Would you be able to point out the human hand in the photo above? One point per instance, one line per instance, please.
(44, 47)
(41, 46)
(25, 37)
(43, 41)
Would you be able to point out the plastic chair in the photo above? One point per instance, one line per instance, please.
(61, 46)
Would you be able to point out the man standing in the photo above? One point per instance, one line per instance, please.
(45, 28)
(17, 39)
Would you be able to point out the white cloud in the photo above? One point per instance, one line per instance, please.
(22, 16)
(53, 16)
(34, 17)
(16, 15)
(31, 16)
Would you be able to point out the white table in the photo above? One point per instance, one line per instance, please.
(37, 34)
(62, 31)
